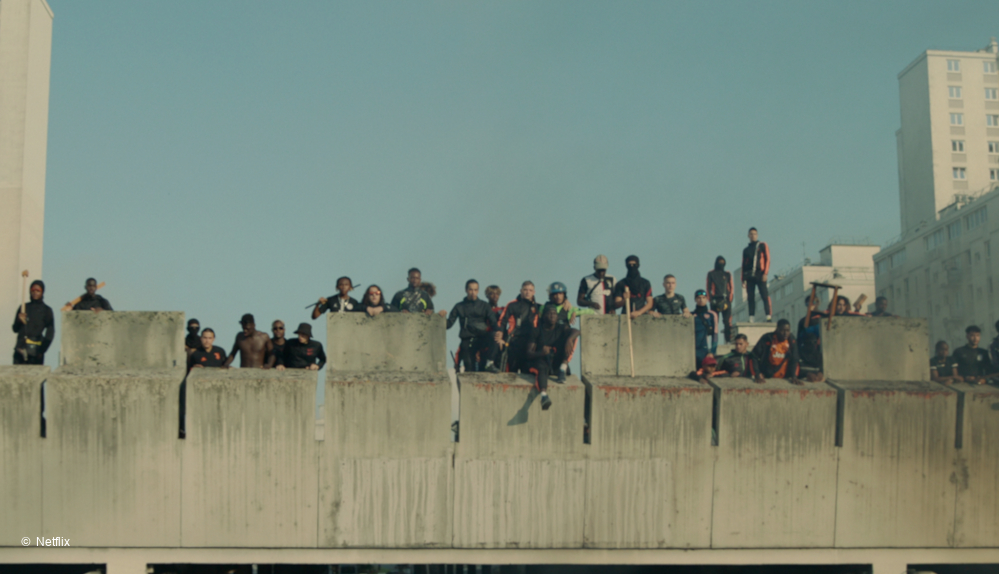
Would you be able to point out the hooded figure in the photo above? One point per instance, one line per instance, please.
(720, 292)
(35, 328)
(192, 341)
(639, 289)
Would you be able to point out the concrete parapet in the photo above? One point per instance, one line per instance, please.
(519, 471)
(977, 472)
(775, 476)
(386, 476)
(648, 477)
(753, 331)
(388, 342)
(20, 452)
(250, 459)
(896, 464)
(876, 349)
(111, 458)
(123, 339)
(664, 346)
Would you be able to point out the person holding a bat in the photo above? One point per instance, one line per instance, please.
(91, 300)
(342, 302)
(34, 324)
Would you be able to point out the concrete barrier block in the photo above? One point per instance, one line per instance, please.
(876, 349)
(753, 331)
(111, 459)
(123, 339)
(251, 472)
(649, 473)
(663, 346)
(775, 476)
(519, 471)
(386, 475)
(21, 452)
(977, 472)
(388, 342)
(895, 465)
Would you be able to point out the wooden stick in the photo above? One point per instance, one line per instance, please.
(24, 287)
(811, 305)
(832, 308)
(69, 306)
(631, 342)
(859, 303)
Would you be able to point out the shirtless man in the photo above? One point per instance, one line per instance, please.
(256, 351)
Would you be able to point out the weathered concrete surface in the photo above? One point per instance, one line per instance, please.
(388, 342)
(977, 472)
(895, 465)
(250, 459)
(20, 451)
(648, 480)
(519, 471)
(123, 339)
(664, 346)
(876, 349)
(111, 459)
(386, 478)
(775, 475)
(753, 331)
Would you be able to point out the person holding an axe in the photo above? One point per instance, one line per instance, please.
(342, 302)
(34, 324)
(91, 300)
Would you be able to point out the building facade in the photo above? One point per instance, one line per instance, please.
(25, 50)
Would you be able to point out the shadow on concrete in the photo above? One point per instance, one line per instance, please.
(521, 416)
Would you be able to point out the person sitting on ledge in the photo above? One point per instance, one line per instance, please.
(413, 299)
(303, 352)
(558, 299)
(192, 342)
(207, 354)
(519, 318)
(91, 300)
(740, 362)
(342, 302)
(256, 351)
(551, 343)
(777, 355)
(671, 302)
(373, 302)
(973, 363)
(480, 333)
(943, 368)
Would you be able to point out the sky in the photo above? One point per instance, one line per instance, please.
(219, 158)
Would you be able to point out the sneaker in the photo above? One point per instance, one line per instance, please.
(561, 376)
(752, 319)
(546, 402)
(770, 319)
(491, 368)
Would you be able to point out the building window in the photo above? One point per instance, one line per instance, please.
(993, 147)
(957, 119)
(994, 174)
(954, 92)
(881, 266)
(898, 258)
(953, 65)
(977, 218)
(990, 67)
(992, 120)
(960, 173)
(934, 240)
(991, 93)
(956, 145)
(954, 230)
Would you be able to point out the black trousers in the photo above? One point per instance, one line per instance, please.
(38, 359)
(721, 306)
(541, 369)
(761, 286)
(484, 347)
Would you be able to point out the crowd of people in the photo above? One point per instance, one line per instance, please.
(538, 338)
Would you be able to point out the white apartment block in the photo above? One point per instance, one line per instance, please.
(25, 50)
(849, 266)
(948, 163)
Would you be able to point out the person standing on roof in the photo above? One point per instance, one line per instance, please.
(755, 266)
(973, 363)
(740, 362)
(35, 328)
(720, 293)
(479, 330)
(640, 290)
(670, 303)
(342, 302)
(192, 342)
(413, 299)
(596, 291)
(278, 340)
(705, 327)
(518, 319)
(303, 352)
(91, 300)
(208, 354)
(881, 308)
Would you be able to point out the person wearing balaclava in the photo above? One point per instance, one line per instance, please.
(192, 341)
(640, 290)
(720, 292)
(35, 328)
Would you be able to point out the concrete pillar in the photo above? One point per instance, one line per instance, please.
(126, 565)
(753, 331)
(876, 349)
(663, 347)
(977, 523)
(25, 54)
(123, 339)
(21, 451)
(389, 342)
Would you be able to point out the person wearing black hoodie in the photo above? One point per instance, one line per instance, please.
(192, 342)
(755, 266)
(720, 293)
(35, 328)
(639, 289)
(518, 319)
(479, 330)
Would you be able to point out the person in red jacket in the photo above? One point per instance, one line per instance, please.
(755, 265)
(720, 294)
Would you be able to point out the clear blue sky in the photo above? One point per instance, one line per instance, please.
(229, 157)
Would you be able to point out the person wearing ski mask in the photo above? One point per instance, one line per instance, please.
(640, 290)
(720, 293)
(192, 342)
(35, 328)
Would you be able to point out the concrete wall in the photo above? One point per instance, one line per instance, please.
(664, 347)
(977, 472)
(20, 451)
(876, 349)
(250, 458)
(896, 465)
(111, 457)
(650, 463)
(123, 339)
(388, 342)
(518, 470)
(775, 477)
(753, 331)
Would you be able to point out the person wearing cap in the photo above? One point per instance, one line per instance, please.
(755, 266)
(705, 327)
(342, 302)
(639, 288)
(413, 299)
(552, 343)
(207, 354)
(708, 369)
(480, 333)
(91, 300)
(256, 351)
(670, 303)
(192, 342)
(303, 352)
(720, 293)
(35, 328)
(518, 319)
(596, 291)
(278, 340)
